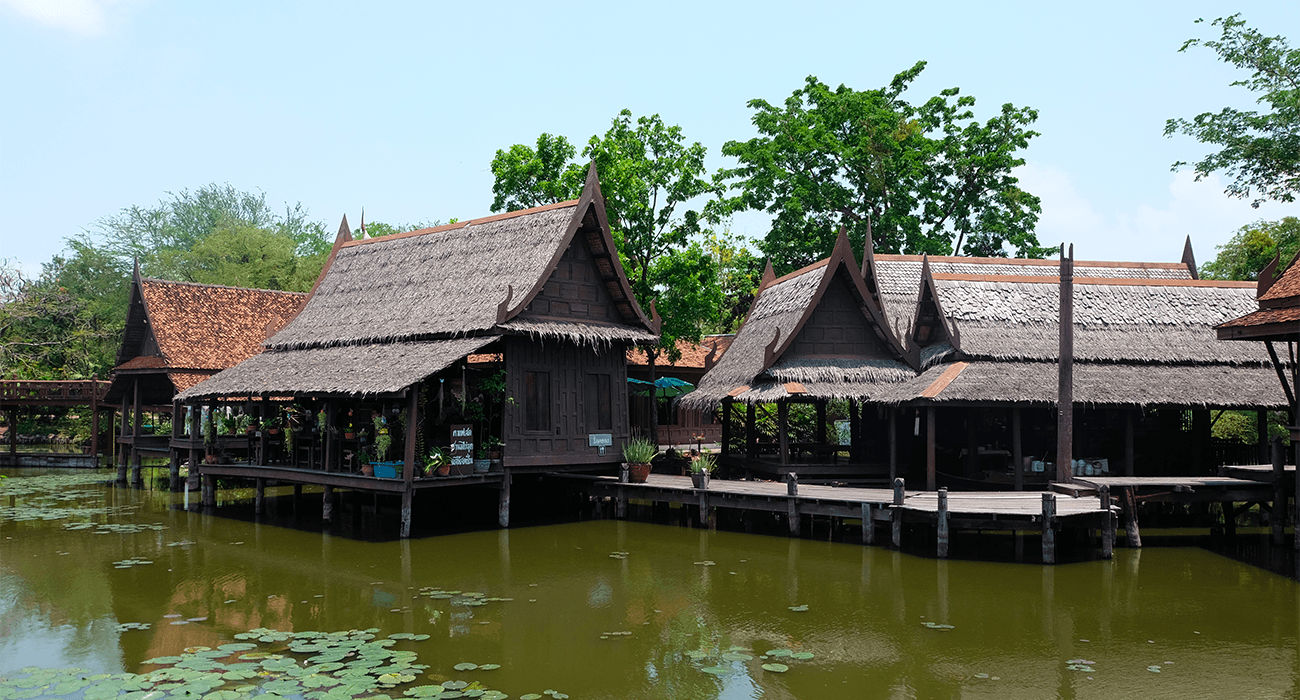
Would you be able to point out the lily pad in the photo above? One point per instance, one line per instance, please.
(776, 668)
(717, 670)
(802, 655)
(465, 666)
(799, 608)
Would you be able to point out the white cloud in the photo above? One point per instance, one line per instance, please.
(1153, 231)
(85, 17)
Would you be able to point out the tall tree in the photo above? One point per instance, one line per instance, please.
(927, 179)
(527, 177)
(1259, 150)
(1252, 247)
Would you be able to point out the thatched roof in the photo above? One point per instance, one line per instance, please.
(763, 354)
(1120, 385)
(380, 368)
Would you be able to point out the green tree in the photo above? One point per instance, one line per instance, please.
(1258, 150)
(529, 177)
(241, 255)
(928, 179)
(1252, 247)
(739, 274)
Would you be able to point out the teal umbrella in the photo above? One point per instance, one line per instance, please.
(665, 387)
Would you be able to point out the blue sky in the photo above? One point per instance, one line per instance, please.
(398, 107)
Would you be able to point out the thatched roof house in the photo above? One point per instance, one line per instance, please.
(816, 333)
(543, 288)
(1276, 319)
(178, 334)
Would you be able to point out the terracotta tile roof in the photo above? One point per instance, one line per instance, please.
(144, 362)
(1264, 317)
(1288, 285)
(185, 380)
(692, 355)
(201, 326)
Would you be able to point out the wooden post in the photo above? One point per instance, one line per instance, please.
(1203, 452)
(209, 495)
(896, 513)
(260, 498)
(972, 446)
(94, 419)
(868, 524)
(503, 501)
(792, 502)
(173, 452)
(137, 423)
(1128, 441)
(1017, 451)
(1049, 534)
(1277, 519)
(783, 429)
(408, 495)
(931, 480)
(1065, 376)
(893, 444)
(412, 424)
(195, 435)
(1261, 435)
(327, 435)
(1107, 523)
(751, 431)
(123, 455)
(702, 502)
(941, 525)
(1131, 518)
(855, 433)
(327, 503)
(726, 427)
(821, 422)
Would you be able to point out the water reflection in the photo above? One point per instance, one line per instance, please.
(596, 625)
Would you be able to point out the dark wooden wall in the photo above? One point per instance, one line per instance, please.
(570, 367)
(837, 328)
(574, 292)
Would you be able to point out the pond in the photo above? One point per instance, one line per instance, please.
(109, 579)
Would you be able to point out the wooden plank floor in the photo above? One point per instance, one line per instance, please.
(1256, 472)
(760, 489)
(1002, 503)
(1168, 481)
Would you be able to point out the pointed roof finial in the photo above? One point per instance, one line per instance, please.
(769, 276)
(1189, 259)
(363, 223)
(345, 232)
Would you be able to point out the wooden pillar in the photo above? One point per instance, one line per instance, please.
(941, 525)
(972, 445)
(1049, 534)
(137, 423)
(1261, 435)
(412, 423)
(726, 427)
(1203, 454)
(195, 435)
(209, 494)
(173, 451)
(123, 455)
(260, 498)
(855, 432)
(1129, 429)
(893, 444)
(503, 501)
(94, 419)
(931, 480)
(783, 429)
(751, 431)
(821, 422)
(1017, 450)
(1131, 518)
(868, 524)
(792, 502)
(896, 514)
(408, 495)
(327, 435)
(1107, 523)
(1065, 374)
(327, 503)
(1277, 518)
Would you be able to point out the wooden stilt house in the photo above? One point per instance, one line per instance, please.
(177, 335)
(1275, 320)
(509, 330)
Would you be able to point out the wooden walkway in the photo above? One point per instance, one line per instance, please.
(1043, 512)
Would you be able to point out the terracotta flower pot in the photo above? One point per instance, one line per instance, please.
(367, 470)
(638, 473)
(444, 470)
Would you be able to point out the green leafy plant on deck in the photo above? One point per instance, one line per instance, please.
(639, 451)
(705, 463)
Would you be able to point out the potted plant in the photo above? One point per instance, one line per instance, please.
(436, 463)
(482, 463)
(701, 467)
(228, 425)
(383, 440)
(495, 447)
(366, 469)
(272, 425)
(639, 452)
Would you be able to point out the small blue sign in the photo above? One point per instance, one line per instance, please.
(600, 440)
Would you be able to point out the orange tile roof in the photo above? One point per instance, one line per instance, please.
(1288, 285)
(201, 326)
(692, 355)
(1264, 317)
(185, 380)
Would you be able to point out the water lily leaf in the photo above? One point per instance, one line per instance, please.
(735, 656)
(697, 655)
(776, 668)
(799, 608)
(802, 655)
(425, 691)
(455, 685)
(489, 667)
(717, 670)
(465, 666)
(530, 696)
(779, 652)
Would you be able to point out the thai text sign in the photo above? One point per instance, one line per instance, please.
(462, 445)
(600, 439)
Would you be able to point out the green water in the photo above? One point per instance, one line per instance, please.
(1211, 626)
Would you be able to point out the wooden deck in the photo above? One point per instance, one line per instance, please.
(1002, 511)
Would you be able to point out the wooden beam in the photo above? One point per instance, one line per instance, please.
(941, 525)
(751, 431)
(783, 429)
(1017, 450)
(930, 477)
(1049, 532)
(893, 444)
(1129, 430)
(1277, 518)
(1281, 374)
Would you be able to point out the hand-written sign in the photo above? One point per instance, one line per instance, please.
(462, 445)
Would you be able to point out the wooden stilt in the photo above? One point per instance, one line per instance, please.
(408, 495)
(1129, 420)
(1131, 519)
(1017, 451)
(94, 419)
(123, 455)
(896, 514)
(783, 429)
(137, 424)
(868, 524)
(792, 503)
(260, 498)
(327, 503)
(930, 479)
(893, 444)
(751, 431)
(942, 524)
(209, 491)
(1107, 524)
(1277, 518)
(1049, 533)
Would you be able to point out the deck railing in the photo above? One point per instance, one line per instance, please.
(23, 392)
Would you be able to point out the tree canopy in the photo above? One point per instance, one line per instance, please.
(922, 179)
(1252, 247)
(1258, 150)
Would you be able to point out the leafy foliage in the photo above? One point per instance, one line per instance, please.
(1252, 247)
(928, 178)
(1259, 150)
(527, 177)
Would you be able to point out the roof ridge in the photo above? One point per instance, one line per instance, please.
(221, 286)
(1096, 281)
(463, 224)
(1047, 262)
(805, 269)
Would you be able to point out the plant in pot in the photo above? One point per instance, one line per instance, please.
(495, 447)
(365, 463)
(639, 452)
(272, 425)
(383, 440)
(228, 425)
(701, 467)
(482, 463)
(437, 463)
